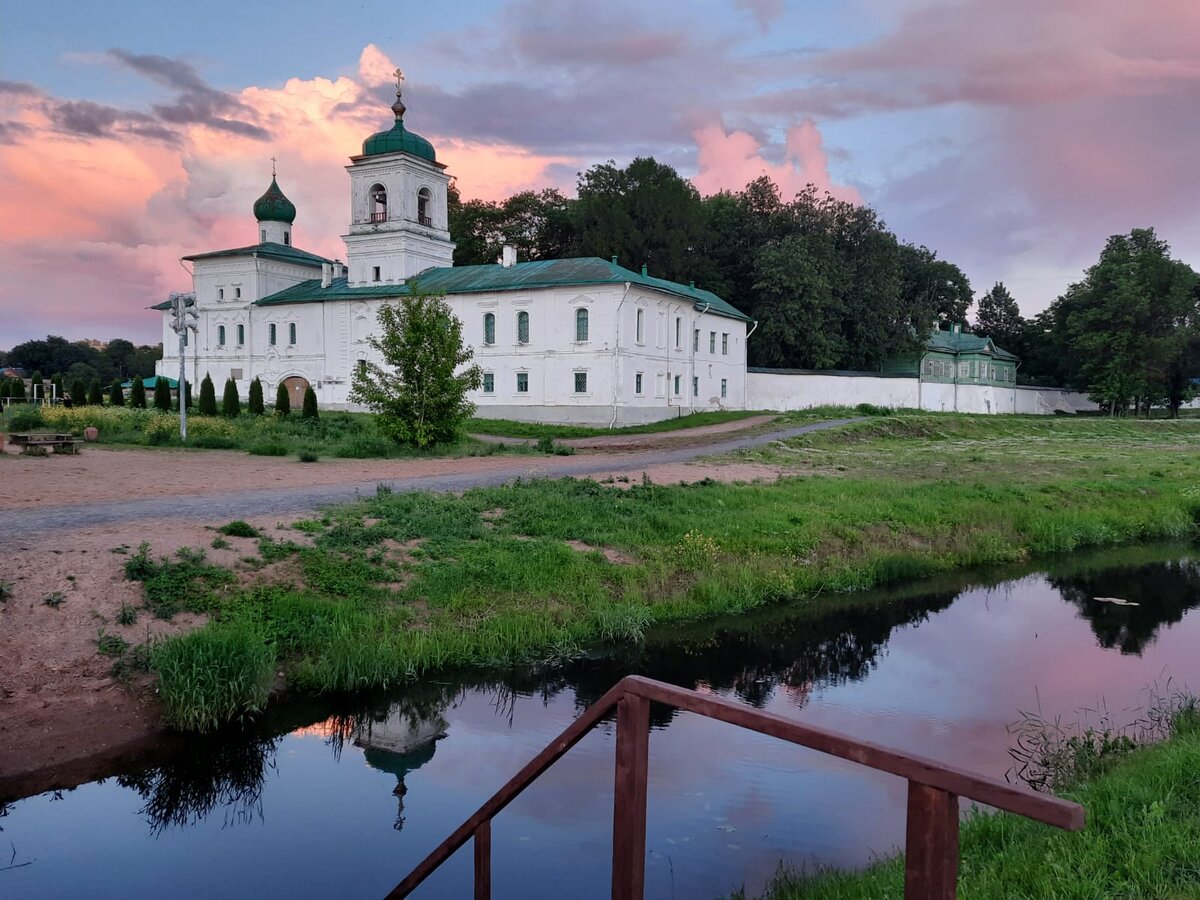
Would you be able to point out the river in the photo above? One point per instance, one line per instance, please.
(323, 799)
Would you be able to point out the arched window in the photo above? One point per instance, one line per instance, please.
(581, 324)
(489, 328)
(424, 198)
(241, 335)
(522, 327)
(220, 335)
(291, 332)
(377, 203)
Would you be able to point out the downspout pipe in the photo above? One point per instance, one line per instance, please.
(745, 368)
(695, 341)
(616, 357)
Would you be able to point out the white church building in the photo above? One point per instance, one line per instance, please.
(564, 341)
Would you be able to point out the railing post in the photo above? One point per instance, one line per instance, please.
(629, 801)
(931, 844)
(483, 860)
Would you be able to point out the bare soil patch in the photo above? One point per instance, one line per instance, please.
(612, 554)
(690, 473)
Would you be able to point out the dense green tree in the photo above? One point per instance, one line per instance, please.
(79, 359)
(538, 224)
(231, 403)
(162, 394)
(56, 382)
(999, 318)
(95, 396)
(116, 396)
(256, 397)
(79, 392)
(283, 402)
(310, 404)
(934, 284)
(5, 389)
(37, 389)
(208, 397)
(187, 396)
(420, 393)
(137, 393)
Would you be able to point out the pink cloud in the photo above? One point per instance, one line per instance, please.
(731, 160)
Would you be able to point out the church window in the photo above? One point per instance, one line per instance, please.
(581, 324)
(292, 333)
(287, 238)
(696, 341)
(423, 199)
(637, 383)
(641, 326)
(725, 344)
(678, 331)
(220, 293)
(375, 273)
(220, 335)
(724, 386)
(695, 386)
(362, 364)
(237, 293)
(676, 385)
(712, 342)
(581, 382)
(489, 382)
(522, 382)
(377, 204)
(271, 334)
(262, 235)
(522, 327)
(241, 331)
(489, 328)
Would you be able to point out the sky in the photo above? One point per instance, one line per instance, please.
(1012, 137)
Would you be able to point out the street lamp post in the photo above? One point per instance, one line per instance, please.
(185, 319)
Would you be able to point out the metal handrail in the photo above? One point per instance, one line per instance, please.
(931, 839)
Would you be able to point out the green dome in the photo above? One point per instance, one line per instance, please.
(274, 207)
(398, 139)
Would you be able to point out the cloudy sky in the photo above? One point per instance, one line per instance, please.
(1011, 136)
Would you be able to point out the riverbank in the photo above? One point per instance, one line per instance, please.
(401, 585)
(1143, 827)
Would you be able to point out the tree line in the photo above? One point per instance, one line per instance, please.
(79, 360)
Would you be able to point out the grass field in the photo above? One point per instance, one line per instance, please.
(508, 428)
(398, 586)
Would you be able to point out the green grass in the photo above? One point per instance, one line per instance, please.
(532, 430)
(170, 585)
(405, 584)
(1143, 828)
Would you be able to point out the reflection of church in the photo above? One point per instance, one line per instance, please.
(578, 340)
(400, 744)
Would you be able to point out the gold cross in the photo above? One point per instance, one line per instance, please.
(272, 167)
(399, 73)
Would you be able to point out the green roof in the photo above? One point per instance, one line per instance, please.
(521, 276)
(273, 206)
(270, 250)
(962, 342)
(151, 381)
(398, 139)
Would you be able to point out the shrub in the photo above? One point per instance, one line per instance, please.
(95, 394)
(231, 403)
(16, 390)
(25, 417)
(268, 447)
(79, 392)
(116, 396)
(310, 404)
(137, 394)
(187, 394)
(239, 528)
(870, 409)
(162, 394)
(57, 381)
(5, 389)
(36, 388)
(256, 397)
(307, 456)
(283, 403)
(362, 447)
(208, 397)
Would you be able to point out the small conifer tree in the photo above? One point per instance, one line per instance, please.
(57, 381)
(37, 390)
(162, 394)
(310, 404)
(5, 389)
(16, 390)
(95, 393)
(116, 396)
(208, 397)
(283, 403)
(79, 392)
(256, 398)
(231, 404)
(137, 394)
(187, 395)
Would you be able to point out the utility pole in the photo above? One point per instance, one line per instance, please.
(185, 319)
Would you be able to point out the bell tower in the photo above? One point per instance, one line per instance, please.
(398, 206)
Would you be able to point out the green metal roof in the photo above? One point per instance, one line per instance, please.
(270, 250)
(521, 276)
(150, 382)
(962, 342)
(273, 206)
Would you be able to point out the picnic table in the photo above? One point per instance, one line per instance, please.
(36, 443)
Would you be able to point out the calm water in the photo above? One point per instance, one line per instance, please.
(325, 802)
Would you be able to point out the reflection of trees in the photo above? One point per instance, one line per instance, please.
(1164, 592)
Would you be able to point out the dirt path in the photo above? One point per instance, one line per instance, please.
(64, 517)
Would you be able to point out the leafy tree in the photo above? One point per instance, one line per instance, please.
(95, 395)
(208, 397)
(79, 392)
(256, 397)
(283, 402)
(231, 404)
(116, 396)
(310, 404)
(162, 394)
(538, 224)
(419, 394)
(934, 284)
(999, 318)
(137, 393)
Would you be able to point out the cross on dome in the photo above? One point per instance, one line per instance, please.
(399, 73)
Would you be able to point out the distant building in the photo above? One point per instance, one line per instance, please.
(94, 344)
(957, 357)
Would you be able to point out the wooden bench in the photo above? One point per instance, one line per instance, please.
(37, 443)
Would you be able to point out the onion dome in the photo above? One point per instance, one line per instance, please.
(398, 139)
(273, 206)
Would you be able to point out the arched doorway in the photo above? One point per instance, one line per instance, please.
(296, 386)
